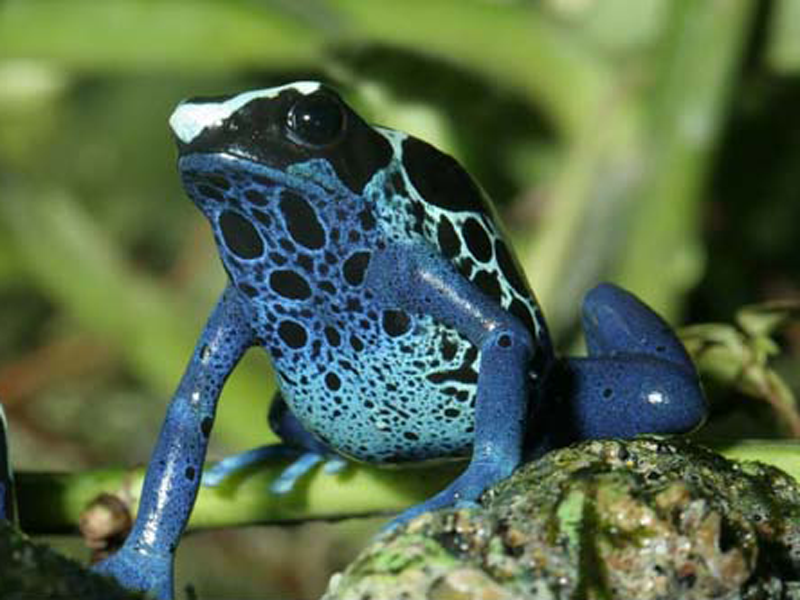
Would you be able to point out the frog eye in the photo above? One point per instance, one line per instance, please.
(316, 120)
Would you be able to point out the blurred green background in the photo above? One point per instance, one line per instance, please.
(655, 143)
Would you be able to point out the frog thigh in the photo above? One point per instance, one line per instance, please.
(637, 379)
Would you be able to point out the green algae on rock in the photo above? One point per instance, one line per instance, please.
(644, 519)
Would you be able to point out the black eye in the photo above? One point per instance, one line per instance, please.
(316, 120)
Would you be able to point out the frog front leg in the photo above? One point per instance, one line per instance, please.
(637, 378)
(145, 561)
(7, 499)
(418, 280)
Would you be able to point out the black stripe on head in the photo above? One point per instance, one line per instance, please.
(439, 179)
(260, 131)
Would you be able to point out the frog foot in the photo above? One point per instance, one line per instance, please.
(304, 461)
(142, 571)
(464, 492)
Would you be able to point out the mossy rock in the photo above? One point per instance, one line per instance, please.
(29, 570)
(645, 519)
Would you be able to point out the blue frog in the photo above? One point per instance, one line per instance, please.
(371, 268)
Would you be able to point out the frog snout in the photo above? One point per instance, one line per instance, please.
(191, 118)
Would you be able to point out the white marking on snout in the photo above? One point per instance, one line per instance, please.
(190, 118)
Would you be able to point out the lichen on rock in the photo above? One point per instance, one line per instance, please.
(645, 519)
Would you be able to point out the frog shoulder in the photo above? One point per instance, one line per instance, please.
(437, 177)
(451, 211)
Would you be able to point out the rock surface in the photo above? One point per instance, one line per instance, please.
(645, 519)
(29, 570)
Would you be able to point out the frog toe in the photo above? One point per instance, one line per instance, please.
(464, 492)
(237, 463)
(286, 481)
(334, 464)
(293, 473)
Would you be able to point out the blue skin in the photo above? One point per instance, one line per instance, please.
(7, 503)
(369, 267)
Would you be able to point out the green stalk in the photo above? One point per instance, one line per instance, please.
(52, 503)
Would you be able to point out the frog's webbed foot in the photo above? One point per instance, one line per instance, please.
(297, 443)
(637, 378)
(304, 461)
(464, 492)
(332, 464)
(137, 570)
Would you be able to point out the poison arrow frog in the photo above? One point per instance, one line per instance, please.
(370, 267)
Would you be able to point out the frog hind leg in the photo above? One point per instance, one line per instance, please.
(7, 500)
(637, 378)
(417, 280)
(296, 442)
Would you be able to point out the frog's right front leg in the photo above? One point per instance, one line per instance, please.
(145, 561)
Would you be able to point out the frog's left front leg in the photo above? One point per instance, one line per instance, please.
(7, 499)
(420, 281)
(145, 561)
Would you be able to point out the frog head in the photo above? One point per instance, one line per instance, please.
(301, 131)
(277, 168)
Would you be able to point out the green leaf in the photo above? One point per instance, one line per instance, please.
(144, 34)
(739, 357)
(783, 42)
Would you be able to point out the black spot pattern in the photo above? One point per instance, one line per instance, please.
(219, 181)
(332, 382)
(248, 289)
(367, 220)
(449, 243)
(211, 192)
(205, 426)
(255, 197)
(289, 284)
(488, 284)
(395, 322)
(509, 268)
(301, 221)
(240, 236)
(293, 334)
(523, 313)
(262, 218)
(439, 179)
(355, 267)
(477, 240)
(333, 337)
(463, 374)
